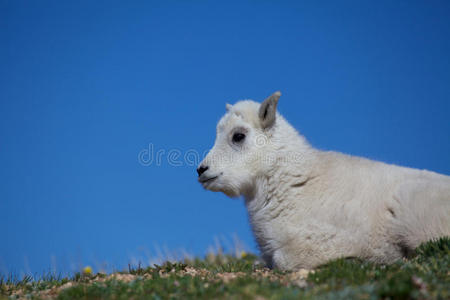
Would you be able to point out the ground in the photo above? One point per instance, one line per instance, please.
(426, 275)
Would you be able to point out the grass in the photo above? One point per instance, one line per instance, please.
(424, 276)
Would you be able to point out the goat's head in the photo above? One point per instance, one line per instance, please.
(242, 148)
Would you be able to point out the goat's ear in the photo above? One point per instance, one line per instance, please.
(228, 106)
(268, 110)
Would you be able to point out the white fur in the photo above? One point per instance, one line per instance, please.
(308, 206)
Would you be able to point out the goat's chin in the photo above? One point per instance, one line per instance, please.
(230, 191)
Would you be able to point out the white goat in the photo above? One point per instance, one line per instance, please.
(308, 206)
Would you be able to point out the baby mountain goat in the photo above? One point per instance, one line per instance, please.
(307, 206)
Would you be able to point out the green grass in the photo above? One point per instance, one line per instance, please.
(424, 276)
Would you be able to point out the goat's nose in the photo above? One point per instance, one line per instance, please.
(201, 170)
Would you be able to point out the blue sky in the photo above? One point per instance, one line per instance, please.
(85, 86)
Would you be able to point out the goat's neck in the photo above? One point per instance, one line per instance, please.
(293, 164)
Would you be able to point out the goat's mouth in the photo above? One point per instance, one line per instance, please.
(204, 180)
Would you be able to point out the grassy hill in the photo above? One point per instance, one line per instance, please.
(424, 276)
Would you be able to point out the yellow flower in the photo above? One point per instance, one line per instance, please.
(243, 254)
(87, 270)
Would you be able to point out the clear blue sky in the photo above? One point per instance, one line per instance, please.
(85, 86)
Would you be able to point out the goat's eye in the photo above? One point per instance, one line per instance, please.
(238, 137)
